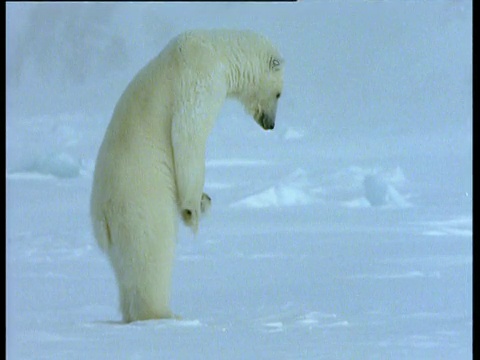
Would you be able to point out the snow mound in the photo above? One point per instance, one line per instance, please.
(61, 165)
(53, 145)
(276, 196)
(292, 191)
(293, 134)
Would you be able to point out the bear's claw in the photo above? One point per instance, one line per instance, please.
(205, 203)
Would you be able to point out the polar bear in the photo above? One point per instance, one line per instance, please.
(151, 164)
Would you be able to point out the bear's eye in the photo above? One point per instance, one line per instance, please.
(278, 95)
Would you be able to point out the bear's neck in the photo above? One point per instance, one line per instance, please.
(243, 61)
(240, 76)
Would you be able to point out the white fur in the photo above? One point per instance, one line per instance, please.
(151, 164)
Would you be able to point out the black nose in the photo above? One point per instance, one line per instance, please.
(267, 122)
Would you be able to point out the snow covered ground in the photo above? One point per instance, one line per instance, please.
(346, 233)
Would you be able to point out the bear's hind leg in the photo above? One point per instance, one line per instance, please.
(137, 307)
(142, 255)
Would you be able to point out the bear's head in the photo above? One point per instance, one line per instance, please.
(261, 99)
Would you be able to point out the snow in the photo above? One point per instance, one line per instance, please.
(344, 233)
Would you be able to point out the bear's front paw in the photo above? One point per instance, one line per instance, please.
(190, 218)
(205, 203)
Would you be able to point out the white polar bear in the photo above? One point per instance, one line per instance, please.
(151, 164)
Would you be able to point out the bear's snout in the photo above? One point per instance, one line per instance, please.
(266, 122)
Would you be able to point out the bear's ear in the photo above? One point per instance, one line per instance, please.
(275, 63)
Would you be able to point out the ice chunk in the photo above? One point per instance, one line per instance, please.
(376, 190)
(379, 191)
